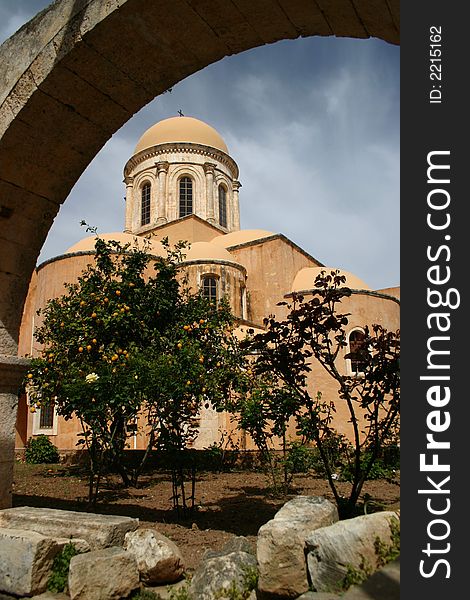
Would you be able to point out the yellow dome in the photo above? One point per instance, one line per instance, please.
(88, 243)
(305, 278)
(208, 251)
(181, 129)
(240, 237)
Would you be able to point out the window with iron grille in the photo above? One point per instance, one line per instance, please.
(145, 212)
(46, 418)
(357, 351)
(209, 288)
(186, 196)
(222, 206)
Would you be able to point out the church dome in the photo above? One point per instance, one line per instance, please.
(181, 129)
(305, 278)
(88, 244)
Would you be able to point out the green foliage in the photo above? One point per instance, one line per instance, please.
(378, 470)
(40, 450)
(300, 458)
(388, 552)
(280, 388)
(57, 581)
(180, 593)
(122, 342)
(236, 592)
(250, 579)
(384, 552)
(355, 576)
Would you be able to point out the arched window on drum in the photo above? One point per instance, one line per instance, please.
(222, 206)
(357, 356)
(145, 203)
(185, 196)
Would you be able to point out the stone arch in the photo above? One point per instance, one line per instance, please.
(77, 72)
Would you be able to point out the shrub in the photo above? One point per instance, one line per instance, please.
(300, 458)
(40, 450)
(57, 582)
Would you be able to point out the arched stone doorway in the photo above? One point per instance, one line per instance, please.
(77, 72)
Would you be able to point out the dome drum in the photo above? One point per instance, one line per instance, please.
(189, 171)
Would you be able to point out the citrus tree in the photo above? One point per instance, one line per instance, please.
(111, 343)
(194, 366)
(282, 387)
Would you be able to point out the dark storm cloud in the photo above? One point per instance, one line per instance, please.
(314, 127)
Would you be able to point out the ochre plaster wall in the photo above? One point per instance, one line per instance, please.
(271, 266)
(188, 229)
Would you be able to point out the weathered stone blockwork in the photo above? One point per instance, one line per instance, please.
(100, 531)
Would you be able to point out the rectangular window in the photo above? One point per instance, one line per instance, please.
(46, 418)
(186, 196)
(209, 288)
(222, 206)
(145, 216)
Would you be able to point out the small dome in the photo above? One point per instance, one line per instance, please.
(305, 278)
(181, 129)
(240, 237)
(208, 251)
(88, 243)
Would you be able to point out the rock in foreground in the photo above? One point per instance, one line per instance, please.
(158, 558)
(217, 575)
(349, 546)
(100, 531)
(281, 545)
(25, 561)
(109, 574)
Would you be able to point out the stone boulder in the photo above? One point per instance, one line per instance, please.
(26, 559)
(281, 545)
(347, 545)
(49, 596)
(108, 574)
(235, 544)
(100, 531)
(159, 560)
(217, 575)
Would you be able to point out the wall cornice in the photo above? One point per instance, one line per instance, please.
(154, 152)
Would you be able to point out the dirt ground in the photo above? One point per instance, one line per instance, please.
(228, 504)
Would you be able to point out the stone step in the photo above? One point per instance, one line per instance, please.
(100, 531)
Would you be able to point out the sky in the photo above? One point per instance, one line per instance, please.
(313, 125)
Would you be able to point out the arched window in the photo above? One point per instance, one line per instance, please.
(186, 196)
(243, 302)
(209, 288)
(222, 206)
(357, 351)
(145, 206)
